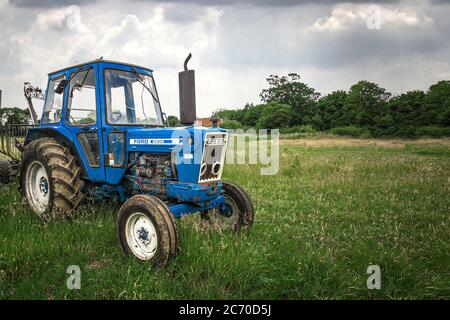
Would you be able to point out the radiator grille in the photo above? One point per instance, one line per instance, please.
(213, 156)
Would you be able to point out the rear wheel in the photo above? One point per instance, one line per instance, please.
(5, 171)
(50, 179)
(147, 230)
(237, 212)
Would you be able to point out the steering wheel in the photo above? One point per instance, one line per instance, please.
(116, 116)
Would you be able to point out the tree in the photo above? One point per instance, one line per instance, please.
(444, 116)
(366, 105)
(173, 121)
(436, 105)
(251, 114)
(229, 114)
(14, 116)
(275, 115)
(289, 90)
(330, 108)
(231, 124)
(366, 108)
(405, 110)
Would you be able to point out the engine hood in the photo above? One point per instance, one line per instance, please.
(165, 139)
(185, 143)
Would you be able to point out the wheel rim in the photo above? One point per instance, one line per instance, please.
(38, 187)
(231, 219)
(141, 236)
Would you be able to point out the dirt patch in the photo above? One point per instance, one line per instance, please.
(94, 264)
(350, 142)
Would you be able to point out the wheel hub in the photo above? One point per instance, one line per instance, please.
(142, 235)
(43, 185)
(226, 210)
(37, 187)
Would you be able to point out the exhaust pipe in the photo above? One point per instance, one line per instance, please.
(186, 82)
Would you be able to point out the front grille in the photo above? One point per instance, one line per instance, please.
(213, 157)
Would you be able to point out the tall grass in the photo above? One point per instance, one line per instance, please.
(329, 213)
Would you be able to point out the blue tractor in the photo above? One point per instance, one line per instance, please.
(103, 135)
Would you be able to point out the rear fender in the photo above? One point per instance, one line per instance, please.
(60, 134)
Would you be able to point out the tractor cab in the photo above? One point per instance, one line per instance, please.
(127, 93)
(96, 104)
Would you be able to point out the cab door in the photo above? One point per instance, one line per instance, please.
(114, 135)
(82, 118)
(125, 103)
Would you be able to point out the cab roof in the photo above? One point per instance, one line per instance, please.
(100, 61)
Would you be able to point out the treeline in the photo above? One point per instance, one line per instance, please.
(365, 110)
(14, 116)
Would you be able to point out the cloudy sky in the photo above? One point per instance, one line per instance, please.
(402, 45)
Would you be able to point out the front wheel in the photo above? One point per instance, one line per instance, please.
(237, 212)
(147, 230)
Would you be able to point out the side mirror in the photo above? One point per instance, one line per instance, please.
(61, 86)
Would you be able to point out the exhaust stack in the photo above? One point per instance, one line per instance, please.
(186, 81)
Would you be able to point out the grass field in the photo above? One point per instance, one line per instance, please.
(335, 207)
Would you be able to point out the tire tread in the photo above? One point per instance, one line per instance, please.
(64, 174)
(165, 223)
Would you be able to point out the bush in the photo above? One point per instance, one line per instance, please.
(408, 132)
(351, 131)
(173, 121)
(435, 132)
(274, 115)
(231, 124)
(298, 129)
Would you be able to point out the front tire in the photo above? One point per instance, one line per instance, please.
(238, 212)
(50, 179)
(147, 230)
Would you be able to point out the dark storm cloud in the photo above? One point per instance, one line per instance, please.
(238, 42)
(47, 3)
(288, 42)
(362, 45)
(440, 1)
(274, 3)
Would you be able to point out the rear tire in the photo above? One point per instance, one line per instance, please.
(50, 179)
(147, 230)
(5, 171)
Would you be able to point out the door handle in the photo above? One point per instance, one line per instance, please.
(90, 129)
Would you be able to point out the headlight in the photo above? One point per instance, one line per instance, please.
(216, 168)
(203, 169)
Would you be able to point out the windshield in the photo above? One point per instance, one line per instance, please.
(131, 98)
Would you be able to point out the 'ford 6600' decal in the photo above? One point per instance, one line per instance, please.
(155, 141)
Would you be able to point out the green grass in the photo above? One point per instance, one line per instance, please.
(328, 214)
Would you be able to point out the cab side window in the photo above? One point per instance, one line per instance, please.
(81, 105)
(53, 102)
(91, 147)
(82, 112)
